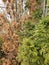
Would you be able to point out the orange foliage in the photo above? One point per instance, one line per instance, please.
(10, 40)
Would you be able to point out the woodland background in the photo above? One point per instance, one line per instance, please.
(24, 33)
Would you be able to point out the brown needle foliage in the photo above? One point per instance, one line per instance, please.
(10, 41)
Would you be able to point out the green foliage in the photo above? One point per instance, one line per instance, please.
(39, 1)
(28, 28)
(37, 13)
(35, 48)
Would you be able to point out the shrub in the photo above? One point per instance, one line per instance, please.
(35, 49)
